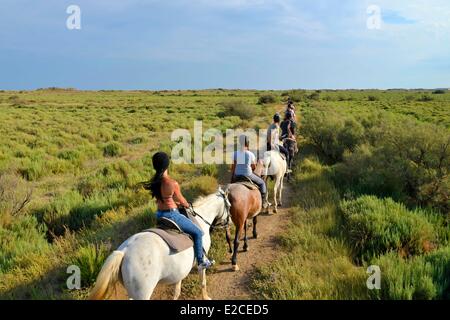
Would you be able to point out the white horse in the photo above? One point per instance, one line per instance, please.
(144, 260)
(275, 166)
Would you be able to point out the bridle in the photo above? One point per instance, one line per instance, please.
(224, 220)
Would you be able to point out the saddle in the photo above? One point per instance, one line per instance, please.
(246, 182)
(172, 234)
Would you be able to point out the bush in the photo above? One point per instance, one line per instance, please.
(14, 196)
(112, 149)
(295, 95)
(200, 186)
(90, 260)
(424, 277)
(265, 99)
(33, 170)
(332, 134)
(377, 226)
(209, 170)
(21, 239)
(136, 140)
(409, 162)
(372, 98)
(314, 96)
(425, 98)
(239, 109)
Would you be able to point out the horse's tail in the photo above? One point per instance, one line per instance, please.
(108, 276)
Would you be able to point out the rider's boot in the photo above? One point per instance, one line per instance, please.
(206, 264)
(265, 203)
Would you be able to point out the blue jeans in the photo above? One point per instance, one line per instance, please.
(259, 182)
(187, 226)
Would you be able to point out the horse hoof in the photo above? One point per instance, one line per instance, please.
(275, 211)
(206, 298)
(236, 268)
(255, 236)
(245, 249)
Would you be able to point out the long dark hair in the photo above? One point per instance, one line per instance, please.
(160, 164)
(154, 185)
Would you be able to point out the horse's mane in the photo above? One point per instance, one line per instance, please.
(202, 200)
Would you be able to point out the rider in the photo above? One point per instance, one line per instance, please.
(291, 108)
(168, 196)
(244, 162)
(273, 138)
(288, 126)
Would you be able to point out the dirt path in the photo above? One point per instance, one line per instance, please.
(225, 284)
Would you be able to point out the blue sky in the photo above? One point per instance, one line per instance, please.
(249, 44)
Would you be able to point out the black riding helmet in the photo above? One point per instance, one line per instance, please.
(160, 161)
(276, 118)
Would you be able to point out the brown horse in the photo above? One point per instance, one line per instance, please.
(245, 204)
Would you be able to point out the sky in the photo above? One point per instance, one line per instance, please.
(246, 44)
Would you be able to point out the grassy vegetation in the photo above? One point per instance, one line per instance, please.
(74, 159)
(70, 162)
(373, 189)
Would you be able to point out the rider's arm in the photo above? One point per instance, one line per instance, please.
(233, 168)
(253, 161)
(179, 196)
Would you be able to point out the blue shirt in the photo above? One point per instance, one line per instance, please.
(244, 161)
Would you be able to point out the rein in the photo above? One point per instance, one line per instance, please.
(225, 223)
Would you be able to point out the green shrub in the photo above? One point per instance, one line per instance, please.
(332, 134)
(424, 277)
(70, 155)
(265, 99)
(295, 95)
(33, 170)
(200, 186)
(239, 108)
(112, 149)
(90, 260)
(22, 238)
(137, 140)
(15, 195)
(209, 170)
(314, 96)
(376, 226)
(425, 98)
(409, 162)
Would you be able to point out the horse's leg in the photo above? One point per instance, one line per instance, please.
(177, 291)
(203, 282)
(228, 236)
(245, 237)
(275, 193)
(280, 195)
(236, 247)
(255, 221)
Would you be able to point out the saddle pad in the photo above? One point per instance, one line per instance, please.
(175, 240)
(248, 184)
